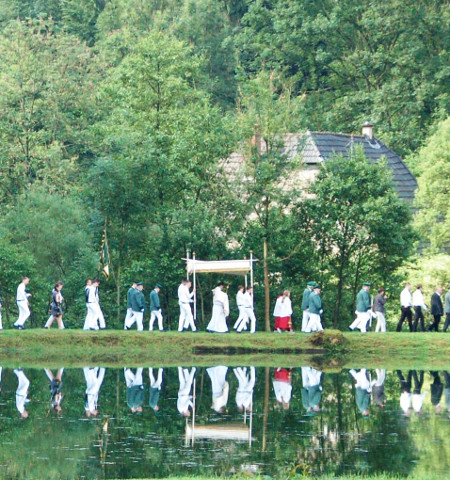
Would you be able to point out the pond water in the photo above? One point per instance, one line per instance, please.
(154, 422)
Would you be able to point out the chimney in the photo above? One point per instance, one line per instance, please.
(367, 130)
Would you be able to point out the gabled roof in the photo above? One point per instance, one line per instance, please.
(320, 146)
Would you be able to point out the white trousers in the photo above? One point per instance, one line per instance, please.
(158, 382)
(361, 321)
(24, 313)
(90, 322)
(1, 322)
(22, 390)
(250, 316)
(127, 318)
(156, 314)
(137, 317)
(186, 319)
(314, 324)
(305, 319)
(243, 317)
(381, 322)
(94, 379)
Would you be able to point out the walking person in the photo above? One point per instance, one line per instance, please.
(379, 309)
(94, 379)
(155, 308)
(437, 309)
(283, 312)
(315, 311)
(311, 390)
(241, 307)
(282, 386)
(55, 388)
(363, 388)
(155, 388)
(363, 307)
(22, 299)
(405, 389)
(250, 313)
(419, 307)
(130, 293)
(417, 396)
(184, 402)
(220, 311)
(138, 309)
(378, 395)
(436, 391)
(186, 319)
(406, 304)
(305, 304)
(220, 388)
(135, 389)
(244, 392)
(94, 318)
(447, 309)
(22, 392)
(56, 307)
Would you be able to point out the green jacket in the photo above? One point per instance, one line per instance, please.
(315, 303)
(311, 396)
(138, 301)
(362, 399)
(135, 396)
(363, 301)
(447, 303)
(305, 299)
(154, 301)
(130, 294)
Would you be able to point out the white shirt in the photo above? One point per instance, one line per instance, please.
(248, 300)
(239, 298)
(405, 298)
(92, 296)
(184, 296)
(417, 299)
(22, 295)
(22, 391)
(283, 307)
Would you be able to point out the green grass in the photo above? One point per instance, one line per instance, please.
(331, 350)
(385, 476)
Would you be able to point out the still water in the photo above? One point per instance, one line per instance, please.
(154, 422)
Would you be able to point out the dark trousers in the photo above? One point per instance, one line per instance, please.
(435, 324)
(406, 314)
(418, 380)
(447, 322)
(418, 316)
(405, 383)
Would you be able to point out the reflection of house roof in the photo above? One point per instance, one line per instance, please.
(320, 146)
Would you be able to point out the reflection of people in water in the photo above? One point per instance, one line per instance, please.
(94, 379)
(311, 390)
(184, 403)
(1, 371)
(155, 388)
(446, 390)
(363, 389)
(135, 389)
(22, 392)
(220, 387)
(244, 393)
(55, 388)
(379, 398)
(436, 391)
(418, 396)
(282, 386)
(405, 389)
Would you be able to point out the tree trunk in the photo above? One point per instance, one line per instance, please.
(118, 295)
(266, 286)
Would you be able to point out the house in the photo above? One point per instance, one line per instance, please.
(318, 147)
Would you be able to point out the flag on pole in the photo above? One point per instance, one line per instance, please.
(104, 256)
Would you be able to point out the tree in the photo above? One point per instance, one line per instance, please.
(432, 163)
(361, 228)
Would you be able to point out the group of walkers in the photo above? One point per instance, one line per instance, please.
(368, 389)
(311, 306)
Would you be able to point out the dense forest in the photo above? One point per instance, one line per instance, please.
(115, 116)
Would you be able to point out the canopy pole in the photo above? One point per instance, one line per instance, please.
(187, 263)
(250, 426)
(195, 289)
(251, 268)
(194, 397)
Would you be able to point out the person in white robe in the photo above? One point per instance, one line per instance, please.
(94, 318)
(241, 307)
(22, 392)
(282, 387)
(184, 402)
(220, 387)
(248, 303)
(244, 393)
(94, 378)
(220, 312)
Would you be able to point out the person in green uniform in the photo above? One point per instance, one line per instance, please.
(315, 311)
(155, 308)
(130, 293)
(138, 308)
(135, 389)
(305, 304)
(363, 307)
(311, 390)
(362, 392)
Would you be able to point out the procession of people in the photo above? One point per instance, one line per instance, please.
(285, 319)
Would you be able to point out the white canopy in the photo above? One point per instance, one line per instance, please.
(233, 267)
(238, 432)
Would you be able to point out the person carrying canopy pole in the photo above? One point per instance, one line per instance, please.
(186, 319)
(248, 303)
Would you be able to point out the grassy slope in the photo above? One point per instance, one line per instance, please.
(332, 350)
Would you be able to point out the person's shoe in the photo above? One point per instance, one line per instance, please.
(102, 328)
(350, 328)
(46, 328)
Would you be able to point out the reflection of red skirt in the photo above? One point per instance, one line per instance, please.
(283, 323)
(283, 374)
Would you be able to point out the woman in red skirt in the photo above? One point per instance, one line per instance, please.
(283, 312)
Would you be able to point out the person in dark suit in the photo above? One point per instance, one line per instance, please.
(437, 309)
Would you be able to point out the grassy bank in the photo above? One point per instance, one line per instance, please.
(330, 350)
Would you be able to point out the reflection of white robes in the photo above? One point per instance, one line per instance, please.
(184, 393)
(94, 379)
(22, 390)
(310, 377)
(220, 387)
(221, 310)
(283, 390)
(244, 393)
(362, 381)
